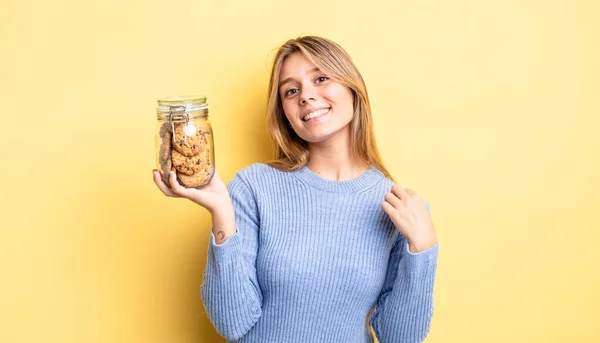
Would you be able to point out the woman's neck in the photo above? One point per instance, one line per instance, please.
(335, 164)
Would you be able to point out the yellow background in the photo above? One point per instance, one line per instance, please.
(488, 109)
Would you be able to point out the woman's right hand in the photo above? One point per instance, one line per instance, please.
(212, 196)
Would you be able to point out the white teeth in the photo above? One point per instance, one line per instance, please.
(315, 114)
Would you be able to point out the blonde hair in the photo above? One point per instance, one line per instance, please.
(291, 152)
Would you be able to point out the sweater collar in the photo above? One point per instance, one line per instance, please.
(369, 178)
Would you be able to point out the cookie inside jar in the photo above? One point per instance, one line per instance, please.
(184, 141)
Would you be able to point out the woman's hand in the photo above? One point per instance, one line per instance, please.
(213, 196)
(408, 212)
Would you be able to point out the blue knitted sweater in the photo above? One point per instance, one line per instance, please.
(310, 258)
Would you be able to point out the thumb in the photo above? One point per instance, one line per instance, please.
(177, 187)
(198, 196)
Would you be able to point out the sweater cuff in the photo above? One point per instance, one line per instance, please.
(227, 251)
(415, 262)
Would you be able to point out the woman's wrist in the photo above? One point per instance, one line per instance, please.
(423, 244)
(223, 220)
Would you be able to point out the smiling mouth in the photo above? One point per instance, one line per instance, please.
(315, 114)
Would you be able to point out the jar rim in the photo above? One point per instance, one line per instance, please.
(189, 103)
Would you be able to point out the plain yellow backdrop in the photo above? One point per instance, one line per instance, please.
(488, 109)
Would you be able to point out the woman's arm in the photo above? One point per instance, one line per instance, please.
(230, 291)
(405, 305)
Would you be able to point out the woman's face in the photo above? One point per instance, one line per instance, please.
(318, 106)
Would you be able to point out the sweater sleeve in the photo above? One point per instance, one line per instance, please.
(405, 305)
(230, 291)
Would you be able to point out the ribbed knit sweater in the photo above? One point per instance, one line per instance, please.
(310, 258)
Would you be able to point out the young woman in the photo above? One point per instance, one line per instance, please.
(318, 244)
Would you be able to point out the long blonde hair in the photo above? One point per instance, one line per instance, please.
(291, 152)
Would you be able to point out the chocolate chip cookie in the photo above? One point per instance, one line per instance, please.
(198, 179)
(164, 154)
(189, 165)
(189, 145)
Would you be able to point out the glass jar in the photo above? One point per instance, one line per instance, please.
(184, 140)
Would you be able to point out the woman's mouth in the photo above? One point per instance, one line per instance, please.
(316, 114)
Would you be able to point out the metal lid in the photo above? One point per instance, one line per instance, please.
(182, 104)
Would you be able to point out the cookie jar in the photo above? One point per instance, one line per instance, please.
(184, 140)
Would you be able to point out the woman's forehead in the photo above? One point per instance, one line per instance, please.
(297, 63)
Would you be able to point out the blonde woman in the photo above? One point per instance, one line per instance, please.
(319, 244)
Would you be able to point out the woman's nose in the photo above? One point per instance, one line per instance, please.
(307, 95)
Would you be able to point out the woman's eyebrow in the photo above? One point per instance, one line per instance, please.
(288, 79)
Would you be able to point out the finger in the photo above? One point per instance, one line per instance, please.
(393, 200)
(177, 187)
(410, 191)
(161, 185)
(399, 191)
(391, 212)
(388, 208)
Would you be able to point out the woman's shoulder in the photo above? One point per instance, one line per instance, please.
(257, 169)
(258, 173)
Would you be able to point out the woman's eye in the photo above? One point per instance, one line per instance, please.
(322, 78)
(291, 91)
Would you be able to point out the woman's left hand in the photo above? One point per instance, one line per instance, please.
(408, 212)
